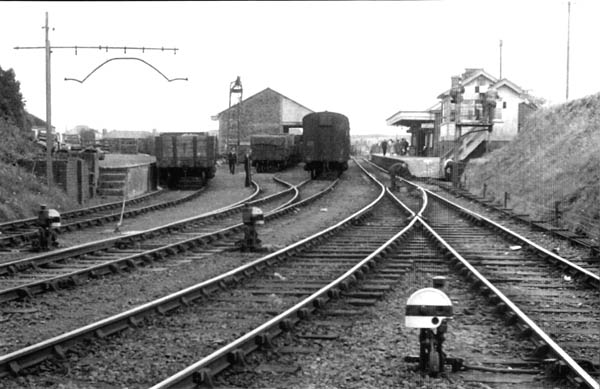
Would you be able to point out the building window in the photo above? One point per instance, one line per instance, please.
(477, 89)
(504, 104)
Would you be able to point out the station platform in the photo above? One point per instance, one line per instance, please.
(422, 167)
(128, 175)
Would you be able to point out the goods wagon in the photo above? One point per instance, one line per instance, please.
(325, 143)
(273, 152)
(185, 160)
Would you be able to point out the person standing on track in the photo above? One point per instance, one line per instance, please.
(232, 159)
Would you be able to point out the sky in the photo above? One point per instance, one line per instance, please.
(364, 59)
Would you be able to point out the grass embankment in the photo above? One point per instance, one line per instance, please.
(21, 193)
(554, 159)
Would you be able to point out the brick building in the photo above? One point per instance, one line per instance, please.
(266, 112)
(433, 130)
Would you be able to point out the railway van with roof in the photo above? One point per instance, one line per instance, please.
(325, 143)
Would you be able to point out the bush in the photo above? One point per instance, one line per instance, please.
(554, 159)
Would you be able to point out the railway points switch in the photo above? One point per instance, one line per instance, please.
(251, 217)
(430, 309)
(48, 220)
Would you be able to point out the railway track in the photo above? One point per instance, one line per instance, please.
(17, 234)
(229, 316)
(550, 299)
(28, 277)
(577, 239)
(44, 350)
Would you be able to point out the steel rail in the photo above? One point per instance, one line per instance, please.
(574, 366)
(130, 261)
(185, 377)
(8, 267)
(423, 194)
(523, 239)
(297, 193)
(83, 211)
(11, 235)
(13, 362)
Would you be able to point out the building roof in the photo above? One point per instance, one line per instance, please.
(266, 90)
(408, 118)
(127, 134)
(468, 76)
(472, 74)
(510, 84)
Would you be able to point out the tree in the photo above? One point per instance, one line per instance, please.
(12, 108)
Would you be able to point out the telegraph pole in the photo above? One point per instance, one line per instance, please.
(568, 44)
(49, 134)
(500, 59)
(48, 49)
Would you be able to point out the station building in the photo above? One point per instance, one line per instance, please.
(433, 130)
(266, 112)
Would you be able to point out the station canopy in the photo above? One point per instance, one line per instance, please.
(412, 119)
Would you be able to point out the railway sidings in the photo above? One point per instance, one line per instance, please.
(338, 297)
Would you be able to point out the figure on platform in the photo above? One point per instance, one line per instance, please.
(403, 147)
(232, 159)
(397, 147)
(384, 147)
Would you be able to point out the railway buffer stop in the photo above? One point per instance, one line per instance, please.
(430, 309)
(251, 217)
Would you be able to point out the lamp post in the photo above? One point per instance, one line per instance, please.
(236, 87)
